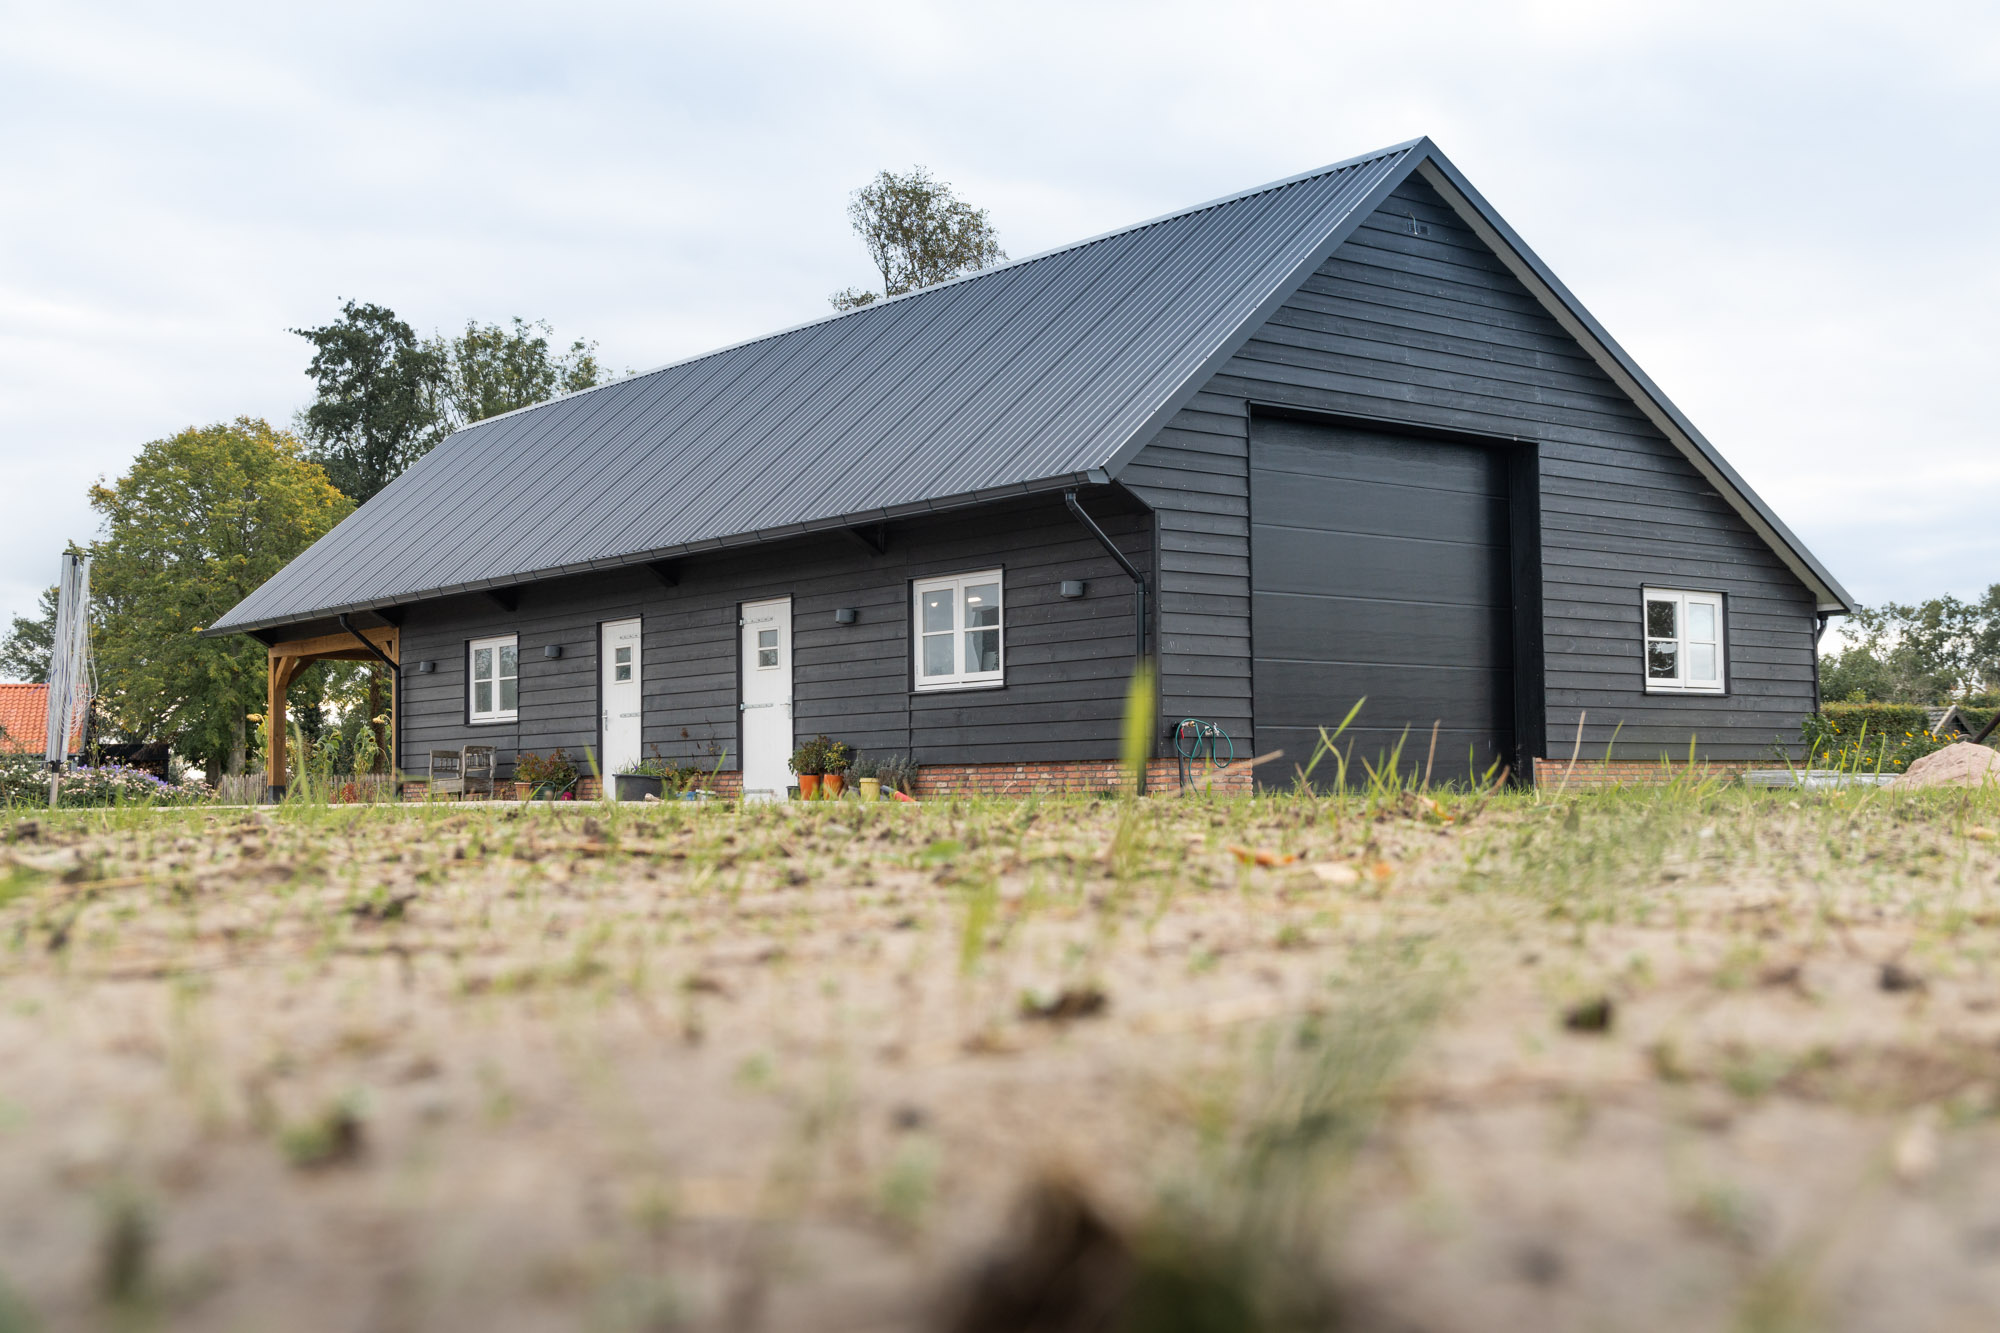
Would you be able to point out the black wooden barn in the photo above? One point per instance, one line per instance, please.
(1335, 437)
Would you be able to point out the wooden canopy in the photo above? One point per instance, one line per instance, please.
(286, 660)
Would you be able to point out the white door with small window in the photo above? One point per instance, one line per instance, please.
(623, 719)
(766, 733)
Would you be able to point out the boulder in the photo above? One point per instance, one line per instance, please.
(1961, 764)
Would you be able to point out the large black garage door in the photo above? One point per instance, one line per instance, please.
(1379, 569)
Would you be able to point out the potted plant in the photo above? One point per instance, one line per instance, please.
(809, 762)
(867, 778)
(898, 773)
(651, 776)
(543, 777)
(837, 756)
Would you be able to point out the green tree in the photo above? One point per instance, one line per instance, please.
(25, 652)
(495, 370)
(197, 524)
(381, 400)
(1925, 653)
(918, 233)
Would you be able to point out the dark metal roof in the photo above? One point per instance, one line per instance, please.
(1030, 374)
(1037, 374)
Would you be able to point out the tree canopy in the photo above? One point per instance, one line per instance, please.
(25, 652)
(198, 522)
(918, 232)
(491, 369)
(384, 396)
(1925, 653)
(379, 405)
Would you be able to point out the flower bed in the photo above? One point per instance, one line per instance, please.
(24, 781)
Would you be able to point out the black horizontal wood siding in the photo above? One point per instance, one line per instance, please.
(1413, 320)
(1067, 661)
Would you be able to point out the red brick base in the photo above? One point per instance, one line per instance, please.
(1600, 773)
(1080, 775)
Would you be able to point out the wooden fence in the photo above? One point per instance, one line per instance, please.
(248, 788)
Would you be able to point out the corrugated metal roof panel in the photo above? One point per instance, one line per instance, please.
(1028, 374)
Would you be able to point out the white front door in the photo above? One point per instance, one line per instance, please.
(767, 699)
(618, 663)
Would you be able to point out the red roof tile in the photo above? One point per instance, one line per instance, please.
(24, 716)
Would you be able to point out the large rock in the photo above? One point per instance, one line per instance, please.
(1961, 764)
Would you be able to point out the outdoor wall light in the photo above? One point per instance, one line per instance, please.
(425, 668)
(845, 616)
(1072, 588)
(552, 650)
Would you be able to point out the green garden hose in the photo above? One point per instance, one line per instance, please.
(1192, 737)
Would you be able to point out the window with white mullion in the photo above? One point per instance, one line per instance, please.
(493, 679)
(1684, 650)
(959, 631)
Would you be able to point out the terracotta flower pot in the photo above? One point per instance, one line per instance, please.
(808, 786)
(524, 791)
(871, 788)
(831, 785)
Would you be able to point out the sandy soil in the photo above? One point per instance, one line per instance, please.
(1702, 1060)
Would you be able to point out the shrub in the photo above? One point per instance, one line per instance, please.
(1868, 737)
(555, 769)
(898, 773)
(25, 781)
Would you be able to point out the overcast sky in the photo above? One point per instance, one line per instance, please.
(1785, 212)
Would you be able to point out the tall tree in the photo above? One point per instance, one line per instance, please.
(25, 652)
(495, 370)
(199, 521)
(1924, 653)
(381, 401)
(918, 232)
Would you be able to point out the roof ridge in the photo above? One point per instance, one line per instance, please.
(1345, 164)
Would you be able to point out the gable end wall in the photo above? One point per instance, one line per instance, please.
(1414, 320)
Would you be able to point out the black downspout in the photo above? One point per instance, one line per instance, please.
(1131, 572)
(1819, 632)
(1138, 589)
(395, 699)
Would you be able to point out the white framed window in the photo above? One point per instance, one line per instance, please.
(493, 679)
(960, 632)
(1683, 641)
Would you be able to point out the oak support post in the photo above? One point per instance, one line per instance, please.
(278, 678)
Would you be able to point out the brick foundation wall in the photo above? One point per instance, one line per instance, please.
(1598, 773)
(727, 784)
(1078, 776)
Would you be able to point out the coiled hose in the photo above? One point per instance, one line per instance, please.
(1193, 737)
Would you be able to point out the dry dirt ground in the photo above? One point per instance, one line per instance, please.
(1689, 1059)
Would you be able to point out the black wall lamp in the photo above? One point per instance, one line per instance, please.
(845, 616)
(552, 650)
(425, 668)
(1072, 588)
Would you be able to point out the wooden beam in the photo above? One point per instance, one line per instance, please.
(275, 681)
(342, 647)
(280, 670)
